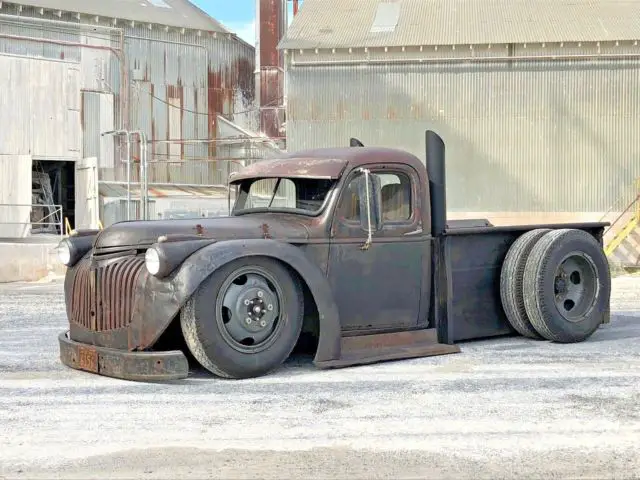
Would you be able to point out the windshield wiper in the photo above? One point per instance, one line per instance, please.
(275, 190)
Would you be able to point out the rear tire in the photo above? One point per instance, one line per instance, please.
(244, 320)
(567, 286)
(511, 289)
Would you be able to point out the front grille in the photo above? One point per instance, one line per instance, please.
(103, 296)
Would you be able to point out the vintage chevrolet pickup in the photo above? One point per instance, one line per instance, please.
(347, 248)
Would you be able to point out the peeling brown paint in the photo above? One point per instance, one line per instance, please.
(265, 230)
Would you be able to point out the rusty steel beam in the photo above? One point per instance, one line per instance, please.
(271, 27)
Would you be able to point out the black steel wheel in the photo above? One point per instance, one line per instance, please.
(567, 286)
(245, 319)
(511, 276)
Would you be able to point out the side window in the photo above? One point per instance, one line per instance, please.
(395, 197)
(349, 209)
(395, 193)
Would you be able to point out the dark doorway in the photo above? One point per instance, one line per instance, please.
(53, 183)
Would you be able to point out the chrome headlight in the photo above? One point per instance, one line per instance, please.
(152, 260)
(64, 252)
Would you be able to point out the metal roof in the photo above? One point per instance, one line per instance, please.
(389, 23)
(173, 13)
(326, 163)
(292, 167)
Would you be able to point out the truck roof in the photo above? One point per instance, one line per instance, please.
(324, 163)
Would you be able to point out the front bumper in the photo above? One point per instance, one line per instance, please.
(123, 364)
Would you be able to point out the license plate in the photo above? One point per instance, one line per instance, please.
(88, 359)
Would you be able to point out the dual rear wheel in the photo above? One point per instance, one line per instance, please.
(555, 285)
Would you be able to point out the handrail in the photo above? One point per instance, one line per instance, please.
(629, 204)
(54, 217)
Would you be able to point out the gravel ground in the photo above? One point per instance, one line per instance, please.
(504, 408)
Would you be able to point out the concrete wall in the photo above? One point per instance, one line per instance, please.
(28, 262)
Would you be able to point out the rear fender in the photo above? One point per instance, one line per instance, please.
(163, 298)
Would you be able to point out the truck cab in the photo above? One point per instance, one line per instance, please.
(366, 211)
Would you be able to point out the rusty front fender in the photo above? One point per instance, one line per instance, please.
(163, 298)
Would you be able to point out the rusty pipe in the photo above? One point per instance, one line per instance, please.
(117, 52)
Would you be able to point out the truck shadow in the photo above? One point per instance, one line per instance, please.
(623, 326)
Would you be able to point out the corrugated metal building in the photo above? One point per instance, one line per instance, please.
(537, 100)
(71, 70)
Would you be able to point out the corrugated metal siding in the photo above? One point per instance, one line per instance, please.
(98, 117)
(41, 115)
(213, 75)
(546, 136)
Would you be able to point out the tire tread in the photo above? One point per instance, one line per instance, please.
(193, 336)
(511, 283)
(534, 285)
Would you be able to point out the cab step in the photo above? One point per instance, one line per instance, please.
(368, 349)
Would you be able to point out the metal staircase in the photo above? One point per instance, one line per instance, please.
(622, 237)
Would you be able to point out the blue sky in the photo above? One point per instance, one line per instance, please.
(237, 15)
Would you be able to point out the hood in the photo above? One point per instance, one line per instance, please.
(141, 234)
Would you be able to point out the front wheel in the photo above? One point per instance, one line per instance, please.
(244, 320)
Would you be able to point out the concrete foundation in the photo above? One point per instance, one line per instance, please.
(28, 262)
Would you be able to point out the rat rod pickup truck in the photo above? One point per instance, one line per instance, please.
(346, 250)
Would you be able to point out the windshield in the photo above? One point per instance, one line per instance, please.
(299, 195)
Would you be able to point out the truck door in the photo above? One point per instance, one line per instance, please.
(387, 285)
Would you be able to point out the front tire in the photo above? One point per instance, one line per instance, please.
(245, 319)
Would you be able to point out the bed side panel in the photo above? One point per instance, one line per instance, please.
(474, 260)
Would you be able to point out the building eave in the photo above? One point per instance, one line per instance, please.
(117, 21)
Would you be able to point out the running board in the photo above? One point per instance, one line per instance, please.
(382, 347)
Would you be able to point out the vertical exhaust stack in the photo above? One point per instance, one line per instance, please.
(437, 183)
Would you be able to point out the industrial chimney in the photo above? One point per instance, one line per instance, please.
(269, 73)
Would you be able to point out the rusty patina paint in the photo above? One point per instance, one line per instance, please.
(296, 168)
(265, 230)
(271, 20)
(453, 277)
(329, 163)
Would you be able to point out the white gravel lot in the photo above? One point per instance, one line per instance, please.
(503, 408)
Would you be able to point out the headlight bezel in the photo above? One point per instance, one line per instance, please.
(76, 247)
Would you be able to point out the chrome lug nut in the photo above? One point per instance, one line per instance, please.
(248, 320)
(269, 307)
(260, 294)
(263, 323)
(247, 302)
